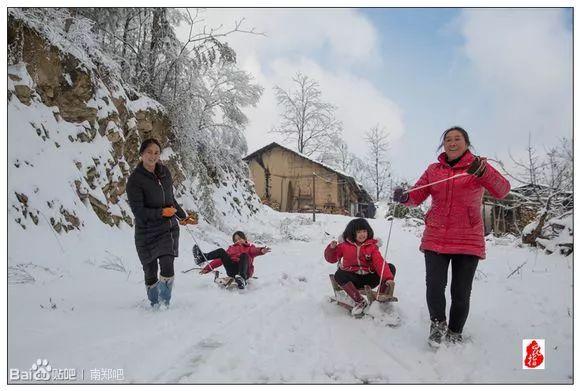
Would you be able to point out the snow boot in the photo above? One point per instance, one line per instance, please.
(198, 257)
(453, 337)
(165, 287)
(358, 309)
(436, 333)
(359, 302)
(385, 291)
(240, 281)
(153, 294)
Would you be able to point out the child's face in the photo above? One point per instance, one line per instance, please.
(238, 238)
(361, 235)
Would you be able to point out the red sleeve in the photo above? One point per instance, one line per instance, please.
(418, 196)
(254, 251)
(332, 255)
(212, 265)
(379, 264)
(494, 182)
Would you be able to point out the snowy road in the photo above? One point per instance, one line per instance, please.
(283, 329)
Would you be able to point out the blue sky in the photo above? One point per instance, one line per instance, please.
(500, 73)
(428, 72)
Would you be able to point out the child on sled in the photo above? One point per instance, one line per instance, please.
(238, 259)
(360, 263)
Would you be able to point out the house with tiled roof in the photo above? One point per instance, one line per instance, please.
(289, 181)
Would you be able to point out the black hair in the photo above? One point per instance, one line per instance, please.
(240, 234)
(460, 130)
(359, 224)
(147, 143)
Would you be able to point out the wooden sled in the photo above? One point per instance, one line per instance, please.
(224, 282)
(228, 282)
(385, 315)
(367, 292)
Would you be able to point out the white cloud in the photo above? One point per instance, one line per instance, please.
(307, 40)
(518, 78)
(359, 104)
(523, 58)
(341, 33)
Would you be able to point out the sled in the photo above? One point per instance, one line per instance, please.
(386, 297)
(383, 313)
(367, 291)
(224, 282)
(227, 282)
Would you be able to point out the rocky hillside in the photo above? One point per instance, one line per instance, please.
(74, 131)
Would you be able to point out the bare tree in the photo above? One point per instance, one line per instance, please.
(336, 154)
(379, 167)
(306, 119)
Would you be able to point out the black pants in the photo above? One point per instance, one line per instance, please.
(360, 280)
(150, 269)
(232, 267)
(462, 272)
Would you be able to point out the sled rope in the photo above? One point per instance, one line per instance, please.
(385, 257)
(436, 182)
(484, 159)
(193, 237)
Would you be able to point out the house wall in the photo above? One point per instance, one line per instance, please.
(291, 183)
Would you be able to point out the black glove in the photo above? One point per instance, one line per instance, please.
(400, 196)
(477, 167)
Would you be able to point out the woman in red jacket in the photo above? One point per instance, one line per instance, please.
(361, 262)
(454, 231)
(238, 259)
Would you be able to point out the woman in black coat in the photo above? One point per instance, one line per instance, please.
(150, 193)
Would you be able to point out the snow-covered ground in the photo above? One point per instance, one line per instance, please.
(78, 300)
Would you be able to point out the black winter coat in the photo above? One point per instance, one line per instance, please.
(148, 194)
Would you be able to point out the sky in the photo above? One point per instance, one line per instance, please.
(502, 74)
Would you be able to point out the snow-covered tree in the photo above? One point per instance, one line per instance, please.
(306, 119)
(196, 79)
(209, 122)
(144, 42)
(548, 181)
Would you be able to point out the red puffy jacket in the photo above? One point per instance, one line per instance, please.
(454, 223)
(363, 259)
(235, 251)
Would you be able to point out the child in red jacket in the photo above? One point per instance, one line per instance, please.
(361, 262)
(238, 259)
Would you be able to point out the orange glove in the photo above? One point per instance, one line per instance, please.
(168, 212)
(188, 220)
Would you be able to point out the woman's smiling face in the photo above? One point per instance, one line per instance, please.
(454, 144)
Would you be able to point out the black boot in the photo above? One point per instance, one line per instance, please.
(453, 337)
(436, 333)
(197, 255)
(240, 281)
